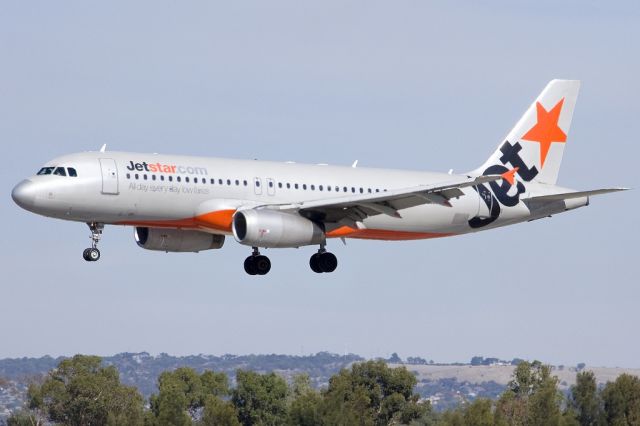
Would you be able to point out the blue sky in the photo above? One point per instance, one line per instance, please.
(408, 84)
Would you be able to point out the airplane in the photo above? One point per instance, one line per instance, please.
(189, 204)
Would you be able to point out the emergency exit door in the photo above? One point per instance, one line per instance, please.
(109, 176)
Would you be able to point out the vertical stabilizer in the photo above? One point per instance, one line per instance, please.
(539, 137)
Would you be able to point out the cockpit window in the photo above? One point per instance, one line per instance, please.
(72, 172)
(46, 171)
(59, 171)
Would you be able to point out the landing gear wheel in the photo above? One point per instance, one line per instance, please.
(91, 254)
(328, 262)
(314, 263)
(250, 266)
(323, 261)
(263, 264)
(257, 264)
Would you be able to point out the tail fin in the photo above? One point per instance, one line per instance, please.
(536, 143)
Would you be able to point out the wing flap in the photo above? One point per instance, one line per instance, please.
(578, 194)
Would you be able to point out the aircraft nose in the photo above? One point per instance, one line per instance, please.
(24, 194)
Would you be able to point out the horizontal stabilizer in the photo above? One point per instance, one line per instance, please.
(579, 194)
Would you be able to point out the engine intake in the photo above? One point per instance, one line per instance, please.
(176, 240)
(272, 228)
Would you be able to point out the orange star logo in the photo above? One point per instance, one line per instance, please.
(546, 129)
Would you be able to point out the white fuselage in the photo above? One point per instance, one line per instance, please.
(172, 191)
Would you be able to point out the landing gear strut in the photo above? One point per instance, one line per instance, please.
(323, 261)
(257, 264)
(92, 254)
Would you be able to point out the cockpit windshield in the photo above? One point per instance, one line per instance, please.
(46, 171)
(58, 171)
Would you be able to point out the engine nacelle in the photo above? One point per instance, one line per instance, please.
(176, 240)
(272, 228)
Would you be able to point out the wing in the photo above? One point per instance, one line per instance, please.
(353, 208)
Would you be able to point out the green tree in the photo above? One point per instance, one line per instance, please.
(182, 394)
(584, 400)
(372, 393)
(80, 391)
(532, 397)
(479, 413)
(260, 399)
(622, 400)
(304, 403)
(218, 413)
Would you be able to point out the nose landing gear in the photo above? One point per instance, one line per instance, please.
(323, 261)
(92, 254)
(257, 264)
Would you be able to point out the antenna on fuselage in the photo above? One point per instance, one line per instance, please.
(103, 148)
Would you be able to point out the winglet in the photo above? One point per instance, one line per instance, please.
(103, 148)
(355, 164)
(510, 175)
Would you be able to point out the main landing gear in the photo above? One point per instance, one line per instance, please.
(320, 262)
(257, 264)
(323, 261)
(92, 254)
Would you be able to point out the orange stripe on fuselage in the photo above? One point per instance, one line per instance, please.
(383, 234)
(219, 220)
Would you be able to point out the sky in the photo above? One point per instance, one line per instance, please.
(406, 84)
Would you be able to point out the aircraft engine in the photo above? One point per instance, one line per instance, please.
(176, 240)
(271, 228)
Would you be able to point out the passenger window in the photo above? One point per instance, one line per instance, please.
(313, 187)
(170, 178)
(244, 182)
(144, 177)
(153, 177)
(353, 189)
(344, 189)
(270, 184)
(320, 187)
(186, 179)
(162, 177)
(59, 171)
(280, 185)
(229, 182)
(328, 187)
(237, 182)
(377, 190)
(178, 178)
(369, 190)
(304, 186)
(195, 180)
(45, 171)
(288, 185)
(128, 176)
(136, 176)
(258, 182)
(72, 172)
(361, 190)
(213, 181)
(220, 181)
(295, 186)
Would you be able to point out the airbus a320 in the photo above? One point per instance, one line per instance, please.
(189, 204)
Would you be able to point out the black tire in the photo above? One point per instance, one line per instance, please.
(263, 265)
(85, 255)
(314, 263)
(94, 254)
(250, 266)
(328, 262)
